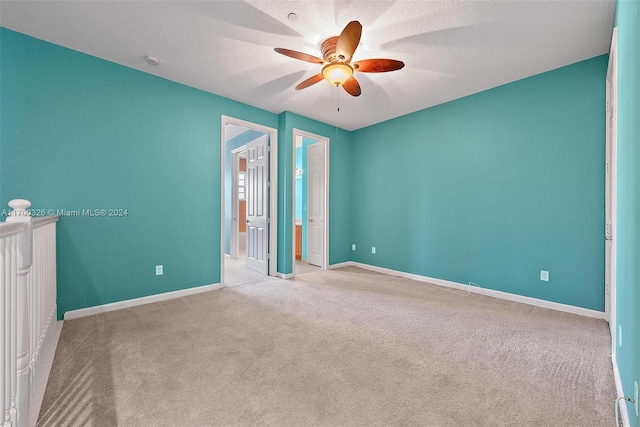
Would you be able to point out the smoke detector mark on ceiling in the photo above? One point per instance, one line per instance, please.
(152, 60)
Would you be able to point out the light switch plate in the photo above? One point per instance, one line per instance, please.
(373, 249)
(353, 246)
(544, 275)
(159, 270)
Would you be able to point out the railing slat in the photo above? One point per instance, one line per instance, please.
(14, 332)
(6, 289)
(4, 263)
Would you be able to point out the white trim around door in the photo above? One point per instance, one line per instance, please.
(611, 192)
(611, 203)
(273, 193)
(297, 133)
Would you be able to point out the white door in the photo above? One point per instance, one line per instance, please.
(610, 192)
(257, 195)
(315, 204)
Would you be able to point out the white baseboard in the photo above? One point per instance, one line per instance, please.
(624, 414)
(285, 276)
(44, 369)
(483, 291)
(340, 265)
(89, 311)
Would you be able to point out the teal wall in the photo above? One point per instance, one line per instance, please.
(628, 224)
(339, 188)
(492, 188)
(80, 132)
(235, 142)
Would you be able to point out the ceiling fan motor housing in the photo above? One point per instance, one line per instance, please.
(328, 49)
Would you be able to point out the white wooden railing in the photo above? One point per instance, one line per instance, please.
(27, 311)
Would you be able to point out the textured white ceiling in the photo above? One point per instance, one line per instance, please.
(451, 48)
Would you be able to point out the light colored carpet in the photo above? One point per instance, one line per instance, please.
(346, 347)
(237, 273)
(302, 267)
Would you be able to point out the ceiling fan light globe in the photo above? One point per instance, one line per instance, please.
(337, 73)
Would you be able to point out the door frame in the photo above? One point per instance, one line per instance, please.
(611, 196)
(326, 142)
(235, 201)
(273, 186)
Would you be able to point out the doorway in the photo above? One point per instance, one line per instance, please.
(611, 192)
(310, 194)
(249, 172)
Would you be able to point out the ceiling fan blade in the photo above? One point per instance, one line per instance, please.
(352, 86)
(310, 81)
(299, 55)
(349, 40)
(377, 65)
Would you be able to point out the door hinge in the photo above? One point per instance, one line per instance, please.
(268, 148)
(268, 256)
(269, 183)
(608, 171)
(268, 220)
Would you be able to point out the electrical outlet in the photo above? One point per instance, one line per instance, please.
(159, 270)
(373, 249)
(619, 335)
(353, 246)
(635, 397)
(544, 275)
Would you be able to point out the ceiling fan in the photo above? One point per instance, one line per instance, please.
(337, 52)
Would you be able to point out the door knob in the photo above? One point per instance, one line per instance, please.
(247, 221)
(310, 220)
